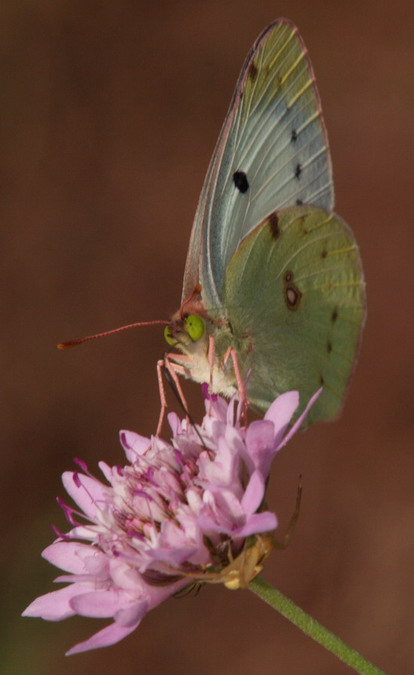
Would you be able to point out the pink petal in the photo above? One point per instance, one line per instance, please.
(173, 556)
(54, 606)
(123, 626)
(260, 444)
(301, 418)
(222, 470)
(254, 493)
(222, 512)
(174, 422)
(103, 604)
(90, 495)
(124, 576)
(133, 444)
(258, 522)
(70, 556)
(87, 532)
(127, 616)
(106, 470)
(105, 637)
(281, 411)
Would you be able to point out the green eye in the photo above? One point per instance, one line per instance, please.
(195, 327)
(168, 335)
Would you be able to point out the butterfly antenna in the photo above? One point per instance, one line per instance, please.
(88, 338)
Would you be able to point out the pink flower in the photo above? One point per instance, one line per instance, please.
(179, 512)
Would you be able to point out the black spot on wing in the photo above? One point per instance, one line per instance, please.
(294, 135)
(299, 202)
(298, 171)
(240, 181)
(334, 315)
(329, 346)
(273, 221)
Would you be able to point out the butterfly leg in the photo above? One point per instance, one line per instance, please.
(211, 362)
(293, 520)
(211, 358)
(169, 369)
(231, 353)
(163, 399)
(173, 370)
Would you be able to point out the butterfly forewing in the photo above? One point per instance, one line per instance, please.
(272, 153)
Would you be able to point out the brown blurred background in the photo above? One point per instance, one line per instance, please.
(110, 112)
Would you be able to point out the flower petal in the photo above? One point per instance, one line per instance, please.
(103, 604)
(254, 493)
(281, 412)
(266, 521)
(260, 443)
(89, 494)
(104, 638)
(301, 418)
(54, 606)
(70, 556)
(133, 444)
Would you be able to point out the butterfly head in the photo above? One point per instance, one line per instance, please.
(189, 328)
(200, 342)
(185, 331)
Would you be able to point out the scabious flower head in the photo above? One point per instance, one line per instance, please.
(179, 512)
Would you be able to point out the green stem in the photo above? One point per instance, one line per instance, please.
(311, 627)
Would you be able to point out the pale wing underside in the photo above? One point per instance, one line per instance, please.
(272, 153)
(295, 291)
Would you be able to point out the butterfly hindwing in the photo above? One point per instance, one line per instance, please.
(294, 294)
(272, 153)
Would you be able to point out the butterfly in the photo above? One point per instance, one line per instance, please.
(273, 295)
(273, 276)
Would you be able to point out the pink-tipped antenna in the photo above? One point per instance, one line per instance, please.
(87, 338)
